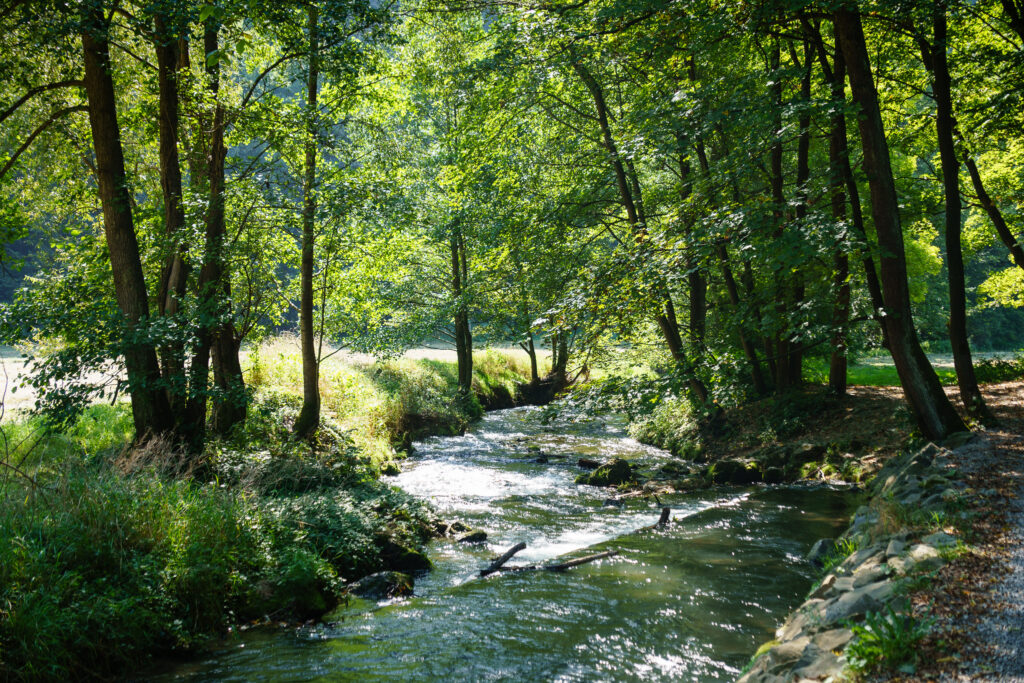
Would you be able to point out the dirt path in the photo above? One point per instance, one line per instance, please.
(977, 601)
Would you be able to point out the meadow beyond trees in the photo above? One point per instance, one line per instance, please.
(694, 206)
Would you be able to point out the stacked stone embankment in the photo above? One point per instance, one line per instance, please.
(892, 538)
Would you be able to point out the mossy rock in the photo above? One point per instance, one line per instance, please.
(382, 585)
(616, 472)
(390, 469)
(404, 559)
(734, 472)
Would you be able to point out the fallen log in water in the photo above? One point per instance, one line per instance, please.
(662, 521)
(505, 557)
(499, 564)
(561, 567)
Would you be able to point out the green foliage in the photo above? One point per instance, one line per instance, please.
(886, 641)
(99, 569)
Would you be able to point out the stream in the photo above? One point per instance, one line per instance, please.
(690, 602)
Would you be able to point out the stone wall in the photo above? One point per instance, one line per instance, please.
(892, 540)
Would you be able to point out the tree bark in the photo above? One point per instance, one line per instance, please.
(837, 367)
(935, 59)
(151, 412)
(531, 350)
(309, 416)
(174, 278)
(933, 412)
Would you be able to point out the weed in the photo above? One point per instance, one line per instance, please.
(886, 640)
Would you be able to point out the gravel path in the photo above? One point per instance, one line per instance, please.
(1003, 628)
(996, 460)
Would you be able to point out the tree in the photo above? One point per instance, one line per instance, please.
(932, 410)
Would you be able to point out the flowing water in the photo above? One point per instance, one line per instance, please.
(690, 602)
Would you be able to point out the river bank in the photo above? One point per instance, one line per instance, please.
(925, 584)
(685, 601)
(106, 558)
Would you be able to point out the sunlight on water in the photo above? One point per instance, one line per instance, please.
(690, 602)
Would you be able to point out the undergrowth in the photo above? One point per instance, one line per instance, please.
(105, 559)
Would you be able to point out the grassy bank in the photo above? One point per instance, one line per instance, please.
(105, 558)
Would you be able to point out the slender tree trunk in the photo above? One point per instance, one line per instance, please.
(935, 58)
(836, 80)
(933, 412)
(803, 174)
(722, 252)
(150, 409)
(994, 214)
(782, 346)
(837, 367)
(309, 416)
(463, 330)
(532, 352)
(696, 283)
(174, 277)
(666, 318)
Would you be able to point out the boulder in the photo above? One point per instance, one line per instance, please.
(774, 475)
(475, 536)
(836, 639)
(382, 585)
(894, 548)
(734, 472)
(390, 469)
(616, 472)
(920, 558)
(957, 440)
(403, 559)
(821, 549)
(869, 574)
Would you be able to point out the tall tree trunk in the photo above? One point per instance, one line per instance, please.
(803, 174)
(309, 416)
(150, 409)
(837, 367)
(463, 330)
(935, 59)
(174, 277)
(696, 283)
(836, 79)
(722, 252)
(933, 412)
(782, 345)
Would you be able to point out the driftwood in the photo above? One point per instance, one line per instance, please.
(662, 521)
(499, 564)
(505, 557)
(577, 562)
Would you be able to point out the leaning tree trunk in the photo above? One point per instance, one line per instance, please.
(935, 57)
(151, 411)
(665, 318)
(933, 412)
(309, 416)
